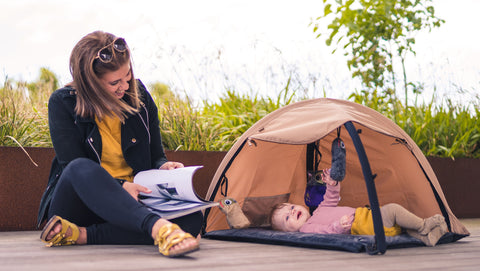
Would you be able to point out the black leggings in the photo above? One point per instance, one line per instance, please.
(87, 195)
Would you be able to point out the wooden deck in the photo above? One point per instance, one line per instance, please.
(24, 251)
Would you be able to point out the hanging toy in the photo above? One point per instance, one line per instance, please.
(236, 219)
(315, 190)
(337, 172)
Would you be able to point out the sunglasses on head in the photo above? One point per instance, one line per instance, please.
(106, 53)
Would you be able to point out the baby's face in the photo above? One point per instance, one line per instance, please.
(290, 217)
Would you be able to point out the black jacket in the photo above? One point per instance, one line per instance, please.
(74, 137)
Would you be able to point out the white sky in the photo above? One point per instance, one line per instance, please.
(205, 46)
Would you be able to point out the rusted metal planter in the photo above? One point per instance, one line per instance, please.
(460, 181)
(22, 183)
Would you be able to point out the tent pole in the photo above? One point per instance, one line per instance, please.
(380, 244)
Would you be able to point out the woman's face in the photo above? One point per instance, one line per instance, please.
(117, 82)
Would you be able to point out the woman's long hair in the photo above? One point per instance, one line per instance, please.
(87, 69)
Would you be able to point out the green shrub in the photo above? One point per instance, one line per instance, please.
(22, 122)
(441, 128)
(212, 126)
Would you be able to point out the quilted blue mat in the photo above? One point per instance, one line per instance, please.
(345, 242)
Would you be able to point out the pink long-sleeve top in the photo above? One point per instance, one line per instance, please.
(326, 218)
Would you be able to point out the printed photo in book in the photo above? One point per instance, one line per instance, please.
(173, 194)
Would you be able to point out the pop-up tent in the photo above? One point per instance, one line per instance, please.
(269, 164)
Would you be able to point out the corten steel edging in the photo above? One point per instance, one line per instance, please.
(22, 183)
(460, 182)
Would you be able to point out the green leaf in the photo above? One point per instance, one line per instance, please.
(327, 9)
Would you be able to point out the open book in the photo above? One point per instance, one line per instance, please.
(172, 194)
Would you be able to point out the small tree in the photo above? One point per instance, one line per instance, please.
(374, 33)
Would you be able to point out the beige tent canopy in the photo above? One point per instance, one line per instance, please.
(268, 163)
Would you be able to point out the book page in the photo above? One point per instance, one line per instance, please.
(169, 205)
(168, 184)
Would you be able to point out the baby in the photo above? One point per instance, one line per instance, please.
(330, 218)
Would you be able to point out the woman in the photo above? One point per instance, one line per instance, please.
(104, 128)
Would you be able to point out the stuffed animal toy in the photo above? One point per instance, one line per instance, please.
(235, 217)
(315, 190)
(337, 172)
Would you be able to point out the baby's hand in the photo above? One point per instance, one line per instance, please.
(345, 222)
(326, 177)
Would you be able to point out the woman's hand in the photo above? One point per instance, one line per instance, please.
(171, 165)
(134, 189)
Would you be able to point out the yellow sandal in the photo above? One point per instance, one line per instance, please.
(60, 239)
(165, 240)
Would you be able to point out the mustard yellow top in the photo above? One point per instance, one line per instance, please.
(112, 159)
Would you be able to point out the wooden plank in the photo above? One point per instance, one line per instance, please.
(24, 251)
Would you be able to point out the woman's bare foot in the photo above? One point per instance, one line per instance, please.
(82, 238)
(185, 244)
